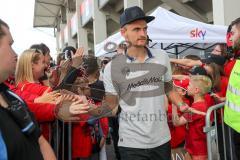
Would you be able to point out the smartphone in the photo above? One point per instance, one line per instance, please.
(68, 54)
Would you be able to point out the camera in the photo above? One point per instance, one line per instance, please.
(68, 54)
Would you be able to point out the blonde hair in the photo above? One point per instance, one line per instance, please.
(24, 65)
(176, 70)
(204, 83)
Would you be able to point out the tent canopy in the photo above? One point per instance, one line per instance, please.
(46, 12)
(168, 27)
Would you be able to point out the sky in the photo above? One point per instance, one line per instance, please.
(19, 14)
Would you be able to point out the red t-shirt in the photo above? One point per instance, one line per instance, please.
(81, 138)
(228, 66)
(43, 112)
(223, 89)
(34, 88)
(209, 100)
(196, 142)
(177, 133)
(222, 93)
(81, 135)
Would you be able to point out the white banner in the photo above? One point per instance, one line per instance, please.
(168, 27)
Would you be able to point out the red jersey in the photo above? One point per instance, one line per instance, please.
(228, 66)
(209, 100)
(177, 133)
(81, 136)
(222, 93)
(34, 88)
(224, 85)
(43, 112)
(196, 142)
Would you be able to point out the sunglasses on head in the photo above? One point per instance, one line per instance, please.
(105, 61)
(36, 50)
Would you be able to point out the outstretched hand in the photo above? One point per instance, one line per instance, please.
(48, 97)
(78, 107)
(77, 57)
(71, 107)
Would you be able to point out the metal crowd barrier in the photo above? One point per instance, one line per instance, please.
(213, 129)
(62, 140)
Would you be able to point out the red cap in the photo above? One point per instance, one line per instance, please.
(181, 83)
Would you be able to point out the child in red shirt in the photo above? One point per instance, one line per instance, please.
(196, 143)
(178, 133)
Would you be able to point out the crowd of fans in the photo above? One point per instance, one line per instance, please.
(63, 91)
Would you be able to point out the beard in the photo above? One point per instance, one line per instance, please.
(140, 45)
(134, 43)
(236, 46)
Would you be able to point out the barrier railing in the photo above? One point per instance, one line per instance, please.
(62, 140)
(214, 127)
(216, 132)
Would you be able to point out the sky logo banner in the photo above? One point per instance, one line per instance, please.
(198, 33)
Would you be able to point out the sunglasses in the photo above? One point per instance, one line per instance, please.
(36, 50)
(104, 61)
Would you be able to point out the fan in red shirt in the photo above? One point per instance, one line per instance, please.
(195, 137)
(178, 133)
(196, 143)
(41, 101)
(30, 68)
(83, 143)
(197, 70)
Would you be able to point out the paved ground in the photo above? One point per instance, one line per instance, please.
(110, 152)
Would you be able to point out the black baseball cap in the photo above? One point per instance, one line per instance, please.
(198, 70)
(132, 14)
(213, 58)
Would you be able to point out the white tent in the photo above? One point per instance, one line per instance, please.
(168, 27)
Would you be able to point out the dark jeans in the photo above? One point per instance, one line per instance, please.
(236, 141)
(221, 141)
(232, 142)
(162, 152)
(113, 123)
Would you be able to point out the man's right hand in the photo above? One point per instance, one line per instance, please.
(79, 108)
(71, 109)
